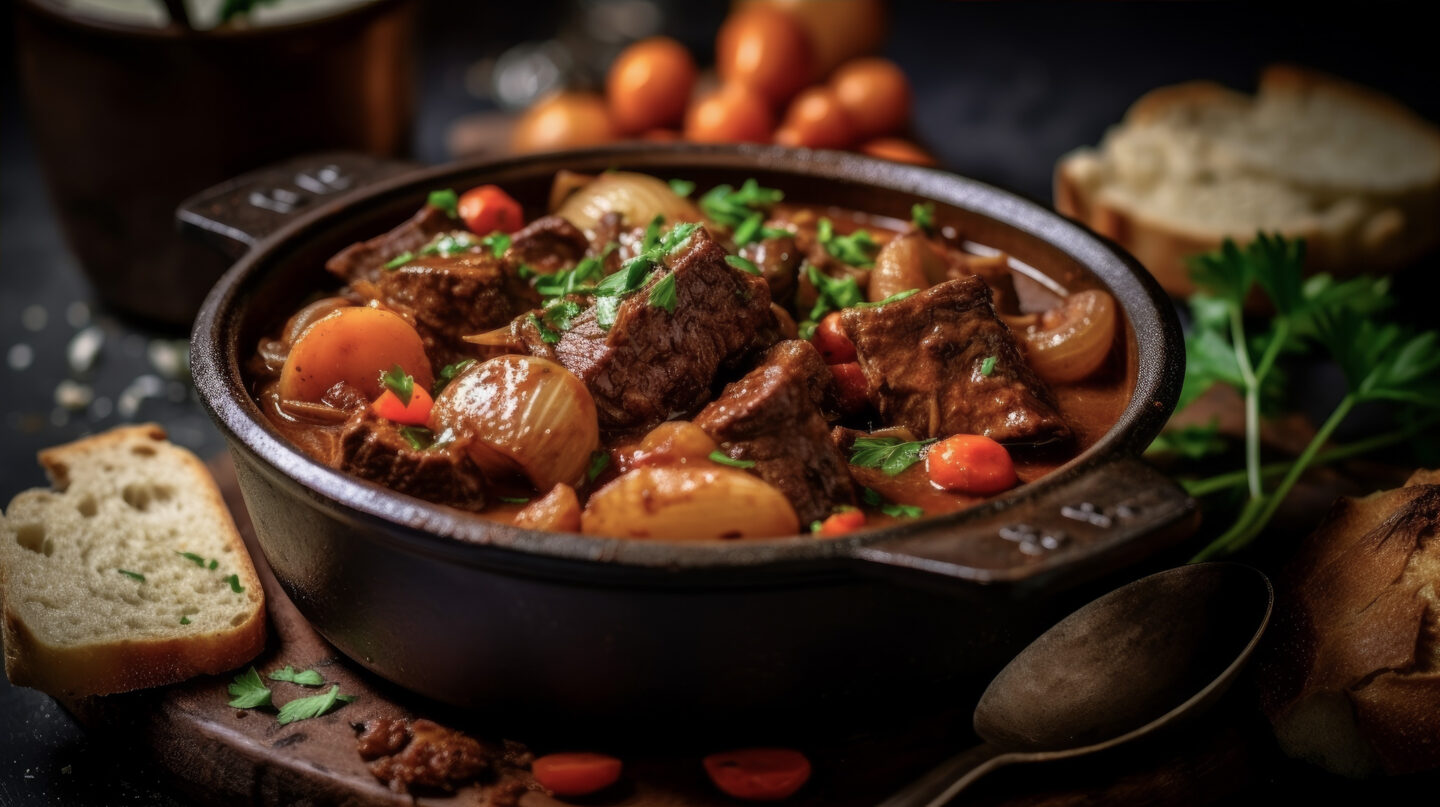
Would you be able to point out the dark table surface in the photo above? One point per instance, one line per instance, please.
(1002, 90)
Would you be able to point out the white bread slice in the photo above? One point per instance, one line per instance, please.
(1353, 172)
(73, 623)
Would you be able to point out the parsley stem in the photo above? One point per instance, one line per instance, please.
(1252, 401)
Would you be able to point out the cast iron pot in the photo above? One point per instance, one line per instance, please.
(792, 631)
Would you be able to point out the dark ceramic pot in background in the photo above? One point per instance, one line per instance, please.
(130, 120)
(605, 633)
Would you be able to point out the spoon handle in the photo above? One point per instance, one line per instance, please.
(937, 787)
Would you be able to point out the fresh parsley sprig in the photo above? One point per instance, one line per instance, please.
(313, 706)
(399, 382)
(890, 454)
(726, 205)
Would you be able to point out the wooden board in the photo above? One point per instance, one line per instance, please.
(223, 755)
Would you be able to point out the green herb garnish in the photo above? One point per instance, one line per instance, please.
(513, 499)
(399, 382)
(193, 558)
(749, 229)
(184, 620)
(313, 706)
(248, 691)
(547, 336)
(419, 437)
(831, 293)
(132, 575)
(894, 298)
(890, 454)
(448, 373)
(497, 242)
(400, 260)
(857, 249)
(988, 366)
(743, 264)
(234, 581)
(446, 200)
(662, 294)
(652, 233)
(682, 187)
(450, 244)
(922, 215)
(213, 564)
(572, 281)
(599, 461)
(889, 508)
(559, 313)
(724, 459)
(309, 678)
(730, 207)
(635, 272)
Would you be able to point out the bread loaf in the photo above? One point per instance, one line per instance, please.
(128, 574)
(1353, 172)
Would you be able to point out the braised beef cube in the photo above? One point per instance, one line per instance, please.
(364, 261)
(376, 449)
(925, 360)
(450, 298)
(418, 754)
(548, 244)
(779, 260)
(772, 417)
(652, 364)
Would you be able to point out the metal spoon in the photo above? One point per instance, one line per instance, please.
(1128, 664)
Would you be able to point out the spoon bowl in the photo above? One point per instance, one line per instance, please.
(1139, 659)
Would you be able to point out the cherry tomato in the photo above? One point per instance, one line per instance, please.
(649, 84)
(875, 96)
(852, 391)
(576, 774)
(732, 114)
(842, 523)
(838, 29)
(758, 774)
(488, 208)
(830, 339)
(766, 49)
(415, 413)
(816, 120)
(563, 120)
(970, 463)
(898, 150)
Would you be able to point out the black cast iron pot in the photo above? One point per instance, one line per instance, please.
(793, 631)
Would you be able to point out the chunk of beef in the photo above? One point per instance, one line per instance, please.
(450, 298)
(652, 363)
(779, 260)
(363, 261)
(373, 448)
(924, 359)
(548, 244)
(407, 754)
(772, 417)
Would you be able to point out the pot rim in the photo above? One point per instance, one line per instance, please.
(464, 537)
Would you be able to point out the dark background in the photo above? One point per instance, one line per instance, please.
(1002, 90)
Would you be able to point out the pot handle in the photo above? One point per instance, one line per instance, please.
(239, 212)
(1097, 519)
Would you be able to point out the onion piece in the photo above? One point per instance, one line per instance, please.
(907, 262)
(688, 502)
(638, 198)
(1070, 342)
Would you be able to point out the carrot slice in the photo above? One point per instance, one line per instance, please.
(489, 208)
(576, 773)
(852, 391)
(970, 463)
(758, 774)
(841, 523)
(415, 413)
(830, 339)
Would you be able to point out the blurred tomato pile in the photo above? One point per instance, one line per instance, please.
(792, 72)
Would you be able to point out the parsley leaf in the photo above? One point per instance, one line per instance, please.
(559, 313)
(497, 242)
(446, 200)
(890, 454)
(234, 581)
(513, 499)
(132, 575)
(184, 620)
(447, 244)
(857, 249)
(248, 691)
(547, 336)
(922, 215)
(889, 508)
(309, 678)
(832, 293)
(725, 205)
(896, 297)
(599, 461)
(399, 382)
(662, 294)
(724, 459)
(419, 437)
(988, 366)
(399, 260)
(749, 230)
(573, 281)
(606, 310)
(193, 558)
(448, 373)
(743, 264)
(682, 187)
(652, 233)
(1192, 442)
(313, 706)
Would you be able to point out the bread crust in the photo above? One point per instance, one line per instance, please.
(120, 666)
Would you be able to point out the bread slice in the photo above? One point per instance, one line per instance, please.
(1353, 172)
(77, 617)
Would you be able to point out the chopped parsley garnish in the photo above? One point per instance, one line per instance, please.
(730, 207)
(817, 525)
(988, 366)
(448, 373)
(447, 201)
(831, 293)
(193, 558)
(890, 454)
(547, 335)
(749, 229)
(682, 187)
(248, 691)
(513, 499)
(497, 242)
(184, 620)
(572, 281)
(662, 294)
(399, 382)
(874, 499)
(559, 313)
(313, 706)
(132, 575)
(234, 581)
(922, 215)
(635, 272)
(652, 233)
(400, 260)
(308, 678)
(419, 437)
(599, 461)
(213, 564)
(606, 310)
(723, 459)
(743, 264)
(896, 297)
(857, 249)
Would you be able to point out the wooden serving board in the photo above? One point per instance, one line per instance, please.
(222, 755)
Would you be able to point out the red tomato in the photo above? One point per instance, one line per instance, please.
(766, 49)
(874, 94)
(758, 774)
(970, 463)
(852, 391)
(576, 774)
(415, 413)
(830, 339)
(842, 523)
(649, 84)
(816, 120)
(488, 208)
(732, 114)
(563, 120)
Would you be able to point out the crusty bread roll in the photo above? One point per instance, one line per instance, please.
(1353, 172)
(78, 619)
(1350, 669)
